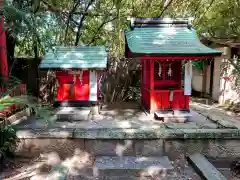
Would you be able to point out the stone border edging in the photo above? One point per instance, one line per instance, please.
(59, 172)
(18, 116)
(160, 133)
(205, 168)
(13, 119)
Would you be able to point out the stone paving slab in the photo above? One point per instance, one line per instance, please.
(131, 165)
(216, 115)
(133, 123)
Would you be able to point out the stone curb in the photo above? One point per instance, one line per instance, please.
(45, 133)
(160, 133)
(205, 168)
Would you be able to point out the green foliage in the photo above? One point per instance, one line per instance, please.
(12, 83)
(200, 64)
(42, 24)
(134, 93)
(55, 22)
(235, 74)
(8, 141)
(8, 138)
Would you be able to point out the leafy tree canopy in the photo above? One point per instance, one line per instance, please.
(43, 23)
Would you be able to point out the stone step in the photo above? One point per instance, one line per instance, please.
(73, 113)
(172, 116)
(167, 177)
(132, 166)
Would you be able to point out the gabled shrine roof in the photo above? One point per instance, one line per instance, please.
(162, 37)
(82, 57)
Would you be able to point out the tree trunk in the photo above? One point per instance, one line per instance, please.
(10, 44)
(3, 58)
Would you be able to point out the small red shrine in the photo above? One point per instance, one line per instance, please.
(163, 47)
(78, 70)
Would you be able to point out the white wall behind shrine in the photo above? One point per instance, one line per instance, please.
(197, 79)
(227, 88)
(222, 90)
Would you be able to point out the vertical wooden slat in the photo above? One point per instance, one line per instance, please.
(93, 85)
(141, 82)
(180, 75)
(152, 74)
(187, 100)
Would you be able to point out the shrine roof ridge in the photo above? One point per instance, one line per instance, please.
(163, 37)
(82, 57)
(139, 20)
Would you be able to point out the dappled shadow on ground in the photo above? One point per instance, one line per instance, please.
(124, 110)
(40, 168)
(230, 107)
(79, 156)
(215, 110)
(121, 115)
(77, 163)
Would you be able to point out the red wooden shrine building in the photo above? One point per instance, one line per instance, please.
(163, 47)
(78, 70)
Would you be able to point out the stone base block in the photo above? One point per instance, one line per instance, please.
(132, 166)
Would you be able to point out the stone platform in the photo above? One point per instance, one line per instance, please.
(126, 121)
(123, 131)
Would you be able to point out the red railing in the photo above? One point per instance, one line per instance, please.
(16, 91)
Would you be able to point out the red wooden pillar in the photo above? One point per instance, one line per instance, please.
(142, 84)
(152, 93)
(3, 50)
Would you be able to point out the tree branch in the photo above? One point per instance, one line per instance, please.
(51, 8)
(99, 28)
(165, 7)
(210, 5)
(70, 17)
(78, 35)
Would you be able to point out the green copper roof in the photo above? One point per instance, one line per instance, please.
(84, 57)
(180, 40)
